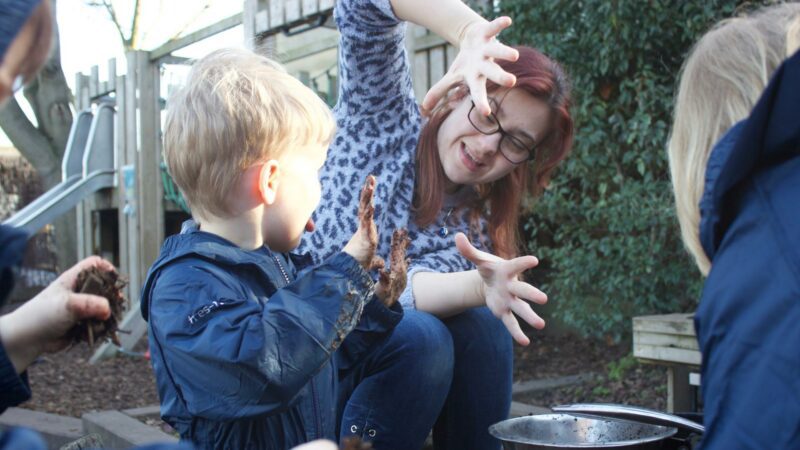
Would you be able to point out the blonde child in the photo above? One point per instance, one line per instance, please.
(246, 340)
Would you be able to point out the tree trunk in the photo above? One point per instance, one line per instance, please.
(44, 145)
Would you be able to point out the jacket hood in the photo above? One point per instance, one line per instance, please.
(769, 136)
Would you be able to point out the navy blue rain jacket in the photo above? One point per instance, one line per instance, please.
(246, 351)
(748, 321)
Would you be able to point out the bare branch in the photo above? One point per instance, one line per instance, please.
(112, 13)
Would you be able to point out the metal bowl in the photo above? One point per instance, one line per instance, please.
(564, 431)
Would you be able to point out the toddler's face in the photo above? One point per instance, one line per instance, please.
(297, 197)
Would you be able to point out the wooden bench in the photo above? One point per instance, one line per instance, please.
(670, 340)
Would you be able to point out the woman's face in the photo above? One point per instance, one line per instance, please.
(469, 156)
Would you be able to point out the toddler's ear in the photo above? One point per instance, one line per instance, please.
(268, 181)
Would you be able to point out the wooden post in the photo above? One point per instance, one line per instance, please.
(679, 391)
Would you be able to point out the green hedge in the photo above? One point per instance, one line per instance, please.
(606, 231)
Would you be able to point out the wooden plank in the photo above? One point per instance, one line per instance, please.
(451, 55)
(665, 340)
(310, 7)
(112, 74)
(427, 42)
(151, 217)
(262, 22)
(664, 354)
(312, 48)
(249, 12)
(291, 10)
(131, 156)
(326, 5)
(437, 62)
(420, 75)
(123, 215)
(682, 324)
(199, 35)
(679, 392)
(94, 81)
(276, 17)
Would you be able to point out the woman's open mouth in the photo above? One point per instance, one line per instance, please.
(469, 162)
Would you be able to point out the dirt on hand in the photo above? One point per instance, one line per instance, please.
(392, 282)
(355, 443)
(366, 216)
(105, 284)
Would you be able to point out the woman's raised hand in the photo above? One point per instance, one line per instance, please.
(505, 294)
(475, 63)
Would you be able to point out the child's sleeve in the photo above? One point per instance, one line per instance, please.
(231, 356)
(378, 123)
(376, 324)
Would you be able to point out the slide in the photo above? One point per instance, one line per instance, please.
(87, 167)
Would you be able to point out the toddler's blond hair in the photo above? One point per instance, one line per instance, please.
(236, 110)
(721, 81)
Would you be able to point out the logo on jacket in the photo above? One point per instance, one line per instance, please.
(205, 310)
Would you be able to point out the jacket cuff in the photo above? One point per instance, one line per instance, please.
(347, 264)
(14, 387)
(387, 317)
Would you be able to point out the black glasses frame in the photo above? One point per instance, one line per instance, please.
(503, 135)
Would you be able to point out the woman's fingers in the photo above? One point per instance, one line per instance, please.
(495, 73)
(468, 251)
(514, 329)
(526, 313)
(439, 90)
(521, 263)
(496, 26)
(477, 90)
(87, 306)
(498, 50)
(527, 292)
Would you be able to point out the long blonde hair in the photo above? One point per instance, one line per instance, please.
(720, 82)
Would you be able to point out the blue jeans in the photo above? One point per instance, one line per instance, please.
(453, 376)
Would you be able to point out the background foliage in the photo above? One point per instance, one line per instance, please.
(606, 230)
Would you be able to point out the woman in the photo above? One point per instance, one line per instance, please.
(737, 183)
(461, 173)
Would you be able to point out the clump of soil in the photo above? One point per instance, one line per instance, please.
(106, 284)
(355, 443)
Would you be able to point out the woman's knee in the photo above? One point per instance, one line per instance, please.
(423, 345)
(477, 331)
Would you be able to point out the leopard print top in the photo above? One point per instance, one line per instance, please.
(378, 125)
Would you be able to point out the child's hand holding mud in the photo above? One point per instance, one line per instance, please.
(364, 242)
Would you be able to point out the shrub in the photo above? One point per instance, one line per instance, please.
(606, 230)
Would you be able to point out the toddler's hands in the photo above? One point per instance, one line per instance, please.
(42, 323)
(474, 64)
(392, 282)
(505, 294)
(364, 242)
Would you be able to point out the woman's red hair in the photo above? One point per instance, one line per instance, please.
(543, 79)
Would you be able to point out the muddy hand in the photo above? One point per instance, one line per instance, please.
(392, 282)
(364, 242)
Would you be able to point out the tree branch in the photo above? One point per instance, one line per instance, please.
(31, 142)
(113, 14)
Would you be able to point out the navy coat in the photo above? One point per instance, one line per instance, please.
(748, 321)
(246, 350)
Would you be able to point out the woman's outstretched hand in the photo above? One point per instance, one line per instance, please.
(475, 63)
(505, 294)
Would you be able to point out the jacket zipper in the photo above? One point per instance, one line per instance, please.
(314, 400)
